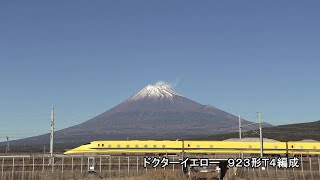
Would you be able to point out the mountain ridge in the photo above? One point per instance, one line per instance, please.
(155, 112)
(287, 132)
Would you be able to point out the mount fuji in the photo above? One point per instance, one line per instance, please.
(155, 112)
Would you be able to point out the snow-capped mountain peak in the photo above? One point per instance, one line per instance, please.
(160, 90)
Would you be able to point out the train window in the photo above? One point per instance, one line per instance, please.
(276, 147)
(102, 145)
(301, 147)
(137, 145)
(98, 145)
(198, 146)
(118, 146)
(128, 145)
(211, 146)
(292, 146)
(109, 146)
(145, 146)
(188, 145)
(163, 146)
(155, 146)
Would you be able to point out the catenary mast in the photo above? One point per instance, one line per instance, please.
(51, 131)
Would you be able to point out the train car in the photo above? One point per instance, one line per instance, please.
(274, 148)
(135, 147)
(304, 147)
(129, 147)
(233, 147)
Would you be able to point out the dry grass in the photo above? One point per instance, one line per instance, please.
(164, 175)
(157, 175)
(154, 175)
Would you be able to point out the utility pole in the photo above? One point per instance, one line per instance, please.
(7, 148)
(261, 137)
(51, 131)
(240, 127)
(240, 136)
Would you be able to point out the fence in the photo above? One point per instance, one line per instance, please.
(75, 167)
(103, 166)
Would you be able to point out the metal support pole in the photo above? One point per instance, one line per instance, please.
(128, 165)
(52, 164)
(240, 134)
(72, 163)
(42, 164)
(62, 161)
(2, 168)
(319, 164)
(302, 167)
(146, 169)
(100, 164)
(240, 127)
(12, 166)
(119, 166)
(22, 168)
(310, 163)
(88, 159)
(23, 164)
(138, 165)
(173, 164)
(182, 154)
(7, 148)
(261, 137)
(110, 166)
(81, 164)
(51, 131)
(32, 164)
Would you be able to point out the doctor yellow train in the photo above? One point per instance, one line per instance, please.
(162, 147)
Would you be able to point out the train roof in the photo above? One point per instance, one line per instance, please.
(251, 139)
(307, 140)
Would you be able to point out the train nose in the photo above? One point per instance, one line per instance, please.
(78, 150)
(68, 152)
(72, 151)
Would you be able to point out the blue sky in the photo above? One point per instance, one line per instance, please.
(88, 56)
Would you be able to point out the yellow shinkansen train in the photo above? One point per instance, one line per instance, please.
(195, 147)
